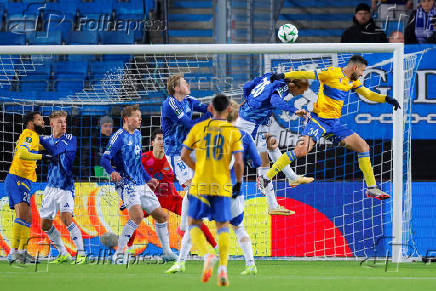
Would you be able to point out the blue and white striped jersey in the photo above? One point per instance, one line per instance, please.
(124, 150)
(262, 97)
(60, 169)
(177, 121)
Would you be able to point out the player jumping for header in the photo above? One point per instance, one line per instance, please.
(335, 84)
(262, 96)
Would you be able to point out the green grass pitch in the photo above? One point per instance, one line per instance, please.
(272, 275)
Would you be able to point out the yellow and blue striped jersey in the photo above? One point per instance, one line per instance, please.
(333, 90)
(214, 142)
(25, 168)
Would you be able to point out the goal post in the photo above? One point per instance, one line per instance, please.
(150, 65)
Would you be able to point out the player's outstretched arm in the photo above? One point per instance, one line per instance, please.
(278, 102)
(373, 96)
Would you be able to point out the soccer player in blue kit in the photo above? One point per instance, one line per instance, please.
(58, 195)
(261, 97)
(133, 183)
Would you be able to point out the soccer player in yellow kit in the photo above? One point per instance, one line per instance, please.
(18, 185)
(215, 141)
(335, 83)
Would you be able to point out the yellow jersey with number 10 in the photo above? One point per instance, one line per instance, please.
(214, 142)
(334, 89)
(25, 169)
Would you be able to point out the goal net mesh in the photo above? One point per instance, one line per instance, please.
(333, 217)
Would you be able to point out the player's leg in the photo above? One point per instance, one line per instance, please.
(66, 208)
(150, 203)
(274, 153)
(18, 190)
(132, 238)
(312, 132)
(47, 212)
(222, 213)
(237, 223)
(356, 143)
(200, 207)
(132, 201)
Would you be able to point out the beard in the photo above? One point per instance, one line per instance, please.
(354, 76)
(39, 129)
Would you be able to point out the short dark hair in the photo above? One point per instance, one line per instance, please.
(29, 117)
(155, 132)
(220, 102)
(358, 59)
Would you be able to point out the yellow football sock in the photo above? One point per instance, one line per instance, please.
(16, 233)
(198, 240)
(224, 245)
(366, 168)
(25, 235)
(280, 164)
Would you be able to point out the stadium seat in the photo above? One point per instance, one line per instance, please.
(82, 37)
(74, 69)
(116, 37)
(44, 37)
(34, 83)
(132, 7)
(19, 23)
(94, 9)
(10, 38)
(98, 69)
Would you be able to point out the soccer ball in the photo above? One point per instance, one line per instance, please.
(287, 33)
(109, 239)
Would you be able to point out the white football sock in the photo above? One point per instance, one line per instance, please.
(289, 173)
(128, 230)
(55, 239)
(163, 235)
(184, 212)
(246, 246)
(270, 194)
(76, 236)
(185, 247)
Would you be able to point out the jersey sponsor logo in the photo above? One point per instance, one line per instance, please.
(66, 205)
(283, 91)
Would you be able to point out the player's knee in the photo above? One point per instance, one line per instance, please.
(271, 143)
(46, 225)
(160, 215)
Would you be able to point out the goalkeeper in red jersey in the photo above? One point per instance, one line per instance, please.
(156, 165)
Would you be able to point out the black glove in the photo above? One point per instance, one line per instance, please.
(276, 76)
(393, 102)
(236, 190)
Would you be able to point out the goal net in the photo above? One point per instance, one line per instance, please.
(333, 217)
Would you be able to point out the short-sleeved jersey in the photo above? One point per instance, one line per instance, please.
(214, 142)
(334, 88)
(60, 169)
(160, 170)
(25, 169)
(262, 97)
(124, 150)
(177, 121)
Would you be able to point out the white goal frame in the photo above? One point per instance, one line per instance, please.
(397, 49)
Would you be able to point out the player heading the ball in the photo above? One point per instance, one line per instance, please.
(335, 83)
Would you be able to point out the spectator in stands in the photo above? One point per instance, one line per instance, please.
(364, 28)
(421, 26)
(396, 36)
(94, 148)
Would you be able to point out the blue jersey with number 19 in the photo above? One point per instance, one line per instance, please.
(214, 142)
